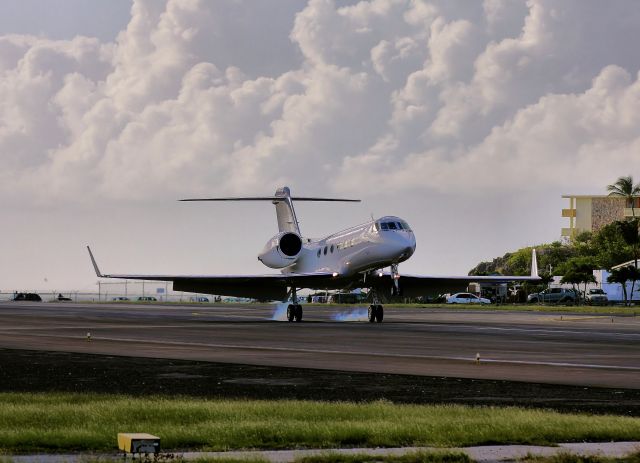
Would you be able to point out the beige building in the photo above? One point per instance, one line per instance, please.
(592, 212)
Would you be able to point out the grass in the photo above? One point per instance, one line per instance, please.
(411, 457)
(578, 309)
(572, 458)
(89, 422)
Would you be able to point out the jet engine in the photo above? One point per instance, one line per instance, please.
(282, 250)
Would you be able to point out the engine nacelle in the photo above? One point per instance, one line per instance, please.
(282, 250)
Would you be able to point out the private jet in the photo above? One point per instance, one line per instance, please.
(352, 258)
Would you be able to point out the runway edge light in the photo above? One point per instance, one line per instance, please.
(138, 442)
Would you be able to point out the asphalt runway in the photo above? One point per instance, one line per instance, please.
(571, 349)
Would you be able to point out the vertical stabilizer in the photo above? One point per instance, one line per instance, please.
(287, 220)
(534, 264)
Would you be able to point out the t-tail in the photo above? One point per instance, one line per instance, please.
(282, 199)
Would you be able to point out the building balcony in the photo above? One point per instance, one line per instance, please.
(568, 212)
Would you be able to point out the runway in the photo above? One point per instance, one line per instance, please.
(521, 346)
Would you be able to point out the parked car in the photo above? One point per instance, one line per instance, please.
(199, 299)
(120, 299)
(467, 298)
(596, 296)
(557, 295)
(147, 299)
(62, 298)
(27, 297)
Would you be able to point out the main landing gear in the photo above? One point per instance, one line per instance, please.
(294, 311)
(376, 313)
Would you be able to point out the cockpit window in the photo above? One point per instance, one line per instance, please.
(392, 225)
(384, 226)
(405, 225)
(399, 224)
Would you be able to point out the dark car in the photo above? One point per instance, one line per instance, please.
(62, 298)
(557, 295)
(27, 297)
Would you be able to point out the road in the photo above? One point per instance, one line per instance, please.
(564, 348)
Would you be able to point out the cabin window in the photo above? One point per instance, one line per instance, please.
(331, 249)
(325, 250)
(319, 251)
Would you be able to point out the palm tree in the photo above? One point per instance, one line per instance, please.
(624, 187)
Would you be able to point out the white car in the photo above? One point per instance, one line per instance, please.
(467, 298)
(596, 296)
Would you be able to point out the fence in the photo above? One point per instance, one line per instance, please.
(116, 290)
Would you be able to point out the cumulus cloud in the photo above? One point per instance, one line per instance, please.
(218, 96)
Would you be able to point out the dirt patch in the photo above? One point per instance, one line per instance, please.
(43, 371)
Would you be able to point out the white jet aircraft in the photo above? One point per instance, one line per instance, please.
(352, 258)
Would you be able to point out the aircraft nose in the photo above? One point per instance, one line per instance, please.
(404, 244)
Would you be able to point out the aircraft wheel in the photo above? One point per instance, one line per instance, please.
(371, 314)
(291, 312)
(298, 312)
(379, 314)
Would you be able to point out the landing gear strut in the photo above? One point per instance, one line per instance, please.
(294, 311)
(395, 277)
(376, 311)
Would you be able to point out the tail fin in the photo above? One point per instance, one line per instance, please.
(286, 214)
(283, 201)
(534, 264)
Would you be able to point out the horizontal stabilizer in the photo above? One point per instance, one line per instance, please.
(272, 198)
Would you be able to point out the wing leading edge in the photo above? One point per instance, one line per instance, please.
(272, 287)
(419, 285)
(275, 286)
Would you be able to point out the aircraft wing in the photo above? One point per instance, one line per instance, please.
(419, 285)
(271, 286)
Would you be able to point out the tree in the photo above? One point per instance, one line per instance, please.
(578, 270)
(623, 274)
(624, 187)
(629, 233)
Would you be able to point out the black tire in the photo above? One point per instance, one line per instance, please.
(379, 314)
(298, 313)
(372, 313)
(291, 312)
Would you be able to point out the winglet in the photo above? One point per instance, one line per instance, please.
(93, 261)
(534, 264)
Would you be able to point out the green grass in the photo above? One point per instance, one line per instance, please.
(572, 458)
(411, 457)
(579, 309)
(77, 422)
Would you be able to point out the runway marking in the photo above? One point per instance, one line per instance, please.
(470, 359)
(578, 318)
